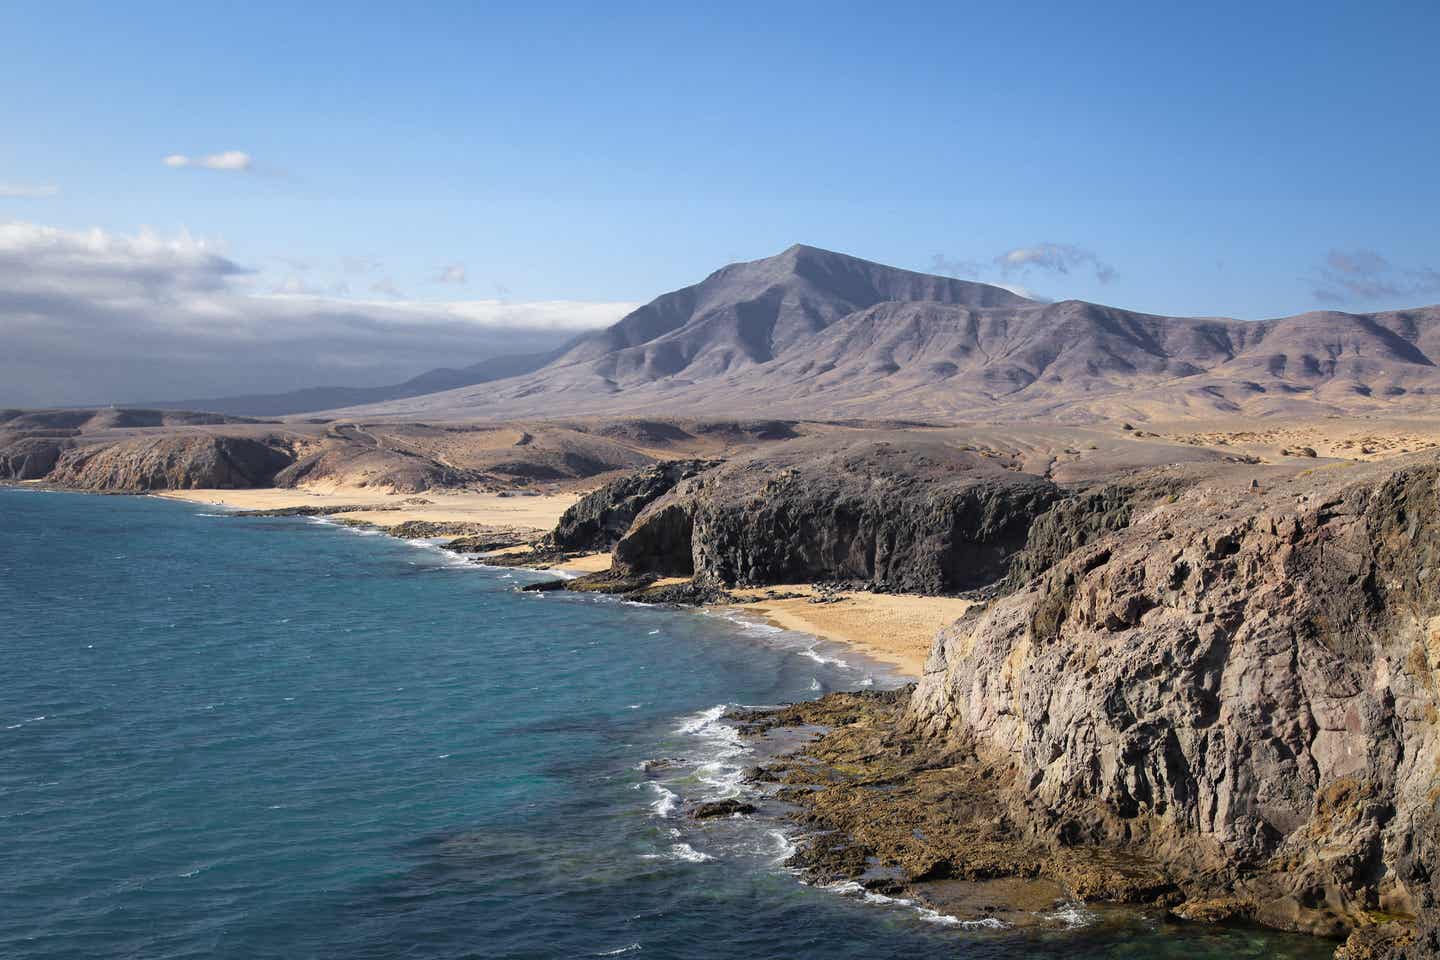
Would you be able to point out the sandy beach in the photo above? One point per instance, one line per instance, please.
(896, 629)
(538, 512)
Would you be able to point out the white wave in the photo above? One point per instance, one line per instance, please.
(629, 948)
(680, 851)
(814, 684)
(683, 851)
(700, 721)
(844, 887)
(666, 803)
(1073, 915)
(850, 888)
(819, 657)
(784, 846)
(652, 633)
(722, 770)
(433, 548)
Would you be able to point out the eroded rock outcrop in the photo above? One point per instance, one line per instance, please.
(172, 462)
(31, 458)
(905, 515)
(598, 520)
(1239, 686)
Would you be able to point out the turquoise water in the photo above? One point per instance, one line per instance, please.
(226, 737)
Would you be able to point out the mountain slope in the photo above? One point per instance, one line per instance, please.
(810, 333)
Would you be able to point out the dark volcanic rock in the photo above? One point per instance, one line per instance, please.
(31, 458)
(908, 515)
(544, 586)
(1081, 518)
(721, 808)
(172, 462)
(484, 541)
(601, 518)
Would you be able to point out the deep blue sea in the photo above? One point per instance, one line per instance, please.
(257, 738)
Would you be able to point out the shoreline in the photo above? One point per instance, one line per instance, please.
(895, 630)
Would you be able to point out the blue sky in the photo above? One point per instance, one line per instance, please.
(1249, 160)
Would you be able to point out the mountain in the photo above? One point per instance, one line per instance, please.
(811, 333)
(325, 398)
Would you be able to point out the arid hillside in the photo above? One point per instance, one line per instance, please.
(820, 335)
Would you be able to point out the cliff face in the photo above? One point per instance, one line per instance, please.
(1241, 684)
(601, 518)
(172, 462)
(31, 458)
(905, 515)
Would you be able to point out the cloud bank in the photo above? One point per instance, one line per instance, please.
(93, 316)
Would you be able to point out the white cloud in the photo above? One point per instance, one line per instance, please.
(451, 273)
(227, 160)
(1055, 258)
(28, 190)
(95, 316)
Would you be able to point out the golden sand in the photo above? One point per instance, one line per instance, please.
(897, 629)
(540, 513)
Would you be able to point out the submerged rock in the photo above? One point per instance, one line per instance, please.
(721, 808)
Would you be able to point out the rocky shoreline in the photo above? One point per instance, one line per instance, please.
(1227, 721)
(1211, 688)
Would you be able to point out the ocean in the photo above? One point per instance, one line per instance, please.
(282, 738)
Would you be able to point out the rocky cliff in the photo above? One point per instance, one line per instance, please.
(1240, 685)
(907, 514)
(31, 458)
(172, 462)
(601, 518)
